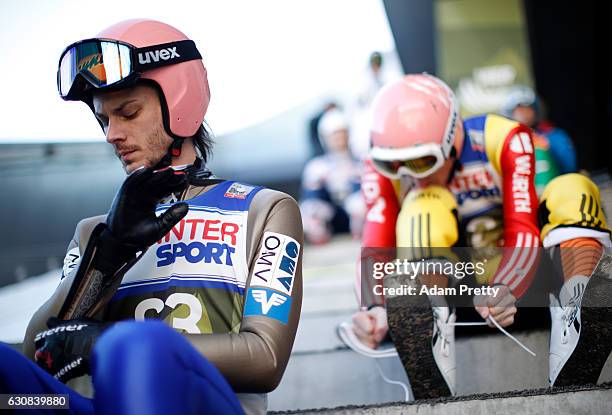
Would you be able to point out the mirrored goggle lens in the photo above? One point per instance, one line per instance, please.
(102, 63)
(418, 165)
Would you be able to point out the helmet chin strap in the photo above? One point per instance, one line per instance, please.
(175, 147)
(173, 151)
(197, 173)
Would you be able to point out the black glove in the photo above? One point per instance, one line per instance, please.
(64, 351)
(132, 223)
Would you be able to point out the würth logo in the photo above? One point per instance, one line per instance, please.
(156, 55)
(521, 144)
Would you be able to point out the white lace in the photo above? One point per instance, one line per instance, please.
(394, 382)
(345, 332)
(347, 336)
(517, 341)
(445, 342)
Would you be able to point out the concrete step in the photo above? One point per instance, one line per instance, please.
(485, 364)
(567, 401)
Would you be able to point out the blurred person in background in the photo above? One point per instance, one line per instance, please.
(331, 202)
(375, 79)
(555, 152)
(313, 129)
(436, 181)
(376, 75)
(190, 319)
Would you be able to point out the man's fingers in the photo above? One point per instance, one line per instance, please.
(502, 311)
(381, 327)
(363, 323)
(481, 301)
(365, 338)
(171, 217)
(380, 333)
(483, 311)
(379, 315)
(167, 181)
(503, 303)
(500, 307)
(506, 321)
(503, 314)
(503, 298)
(503, 308)
(360, 332)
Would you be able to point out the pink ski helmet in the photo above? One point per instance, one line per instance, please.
(415, 126)
(141, 49)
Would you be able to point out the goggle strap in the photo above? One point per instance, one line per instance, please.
(156, 56)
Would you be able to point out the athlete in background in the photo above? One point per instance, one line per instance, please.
(555, 152)
(435, 180)
(219, 261)
(331, 202)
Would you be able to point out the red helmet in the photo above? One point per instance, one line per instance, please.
(141, 49)
(415, 124)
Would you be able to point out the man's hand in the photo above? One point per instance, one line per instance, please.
(64, 350)
(500, 307)
(371, 326)
(132, 223)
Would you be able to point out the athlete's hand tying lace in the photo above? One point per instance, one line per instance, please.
(371, 326)
(500, 307)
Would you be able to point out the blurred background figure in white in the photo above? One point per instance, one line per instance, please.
(377, 74)
(313, 129)
(375, 79)
(331, 202)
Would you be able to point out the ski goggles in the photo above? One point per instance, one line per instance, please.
(419, 161)
(102, 63)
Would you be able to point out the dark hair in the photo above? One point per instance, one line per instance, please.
(376, 58)
(203, 142)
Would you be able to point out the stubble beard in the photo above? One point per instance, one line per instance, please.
(159, 144)
(156, 146)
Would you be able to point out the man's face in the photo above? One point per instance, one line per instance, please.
(438, 178)
(337, 141)
(525, 115)
(132, 122)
